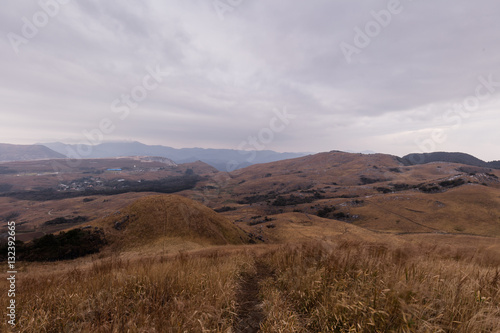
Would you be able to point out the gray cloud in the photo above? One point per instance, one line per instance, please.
(226, 76)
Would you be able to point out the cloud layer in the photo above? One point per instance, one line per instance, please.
(226, 65)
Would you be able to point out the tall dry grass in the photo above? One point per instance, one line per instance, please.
(343, 286)
(185, 294)
(362, 287)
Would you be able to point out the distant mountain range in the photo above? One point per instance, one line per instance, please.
(222, 159)
(462, 158)
(10, 153)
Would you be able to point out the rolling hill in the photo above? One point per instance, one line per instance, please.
(332, 172)
(337, 171)
(462, 158)
(159, 218)
(378, 192)
(9, 153)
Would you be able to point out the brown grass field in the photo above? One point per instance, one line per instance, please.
(340, 285)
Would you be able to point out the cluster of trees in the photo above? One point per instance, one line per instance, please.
(452, 183)
(224, 209)
(63, 220)
(258, 198)
(63, 246)
(427, 188)
(329, 212)
(293, 200)
(5, 170)
(5, 187)
(367, 180)
(258, 220)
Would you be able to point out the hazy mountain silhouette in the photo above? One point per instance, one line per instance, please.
(222, 159)
(462, 158)
(9, 153)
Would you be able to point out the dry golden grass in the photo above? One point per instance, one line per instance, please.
(280, 316)
(188, 293)
(340, 285)
(159, 218)
(34, 213)
(342, 168)
(298, 227)
(469, 209)
(370, 287)
(335, 168)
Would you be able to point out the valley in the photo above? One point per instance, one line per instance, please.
(326, 242)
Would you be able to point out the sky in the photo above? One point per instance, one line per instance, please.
(388, 76)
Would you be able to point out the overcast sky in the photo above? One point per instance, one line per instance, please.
(387, 76)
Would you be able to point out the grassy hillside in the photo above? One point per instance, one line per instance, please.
(334, 286)
(324, 168)
(154, 219)
(377, 192)
(335, 174)
(469, 209)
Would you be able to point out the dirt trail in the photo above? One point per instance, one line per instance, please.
(249, 312)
